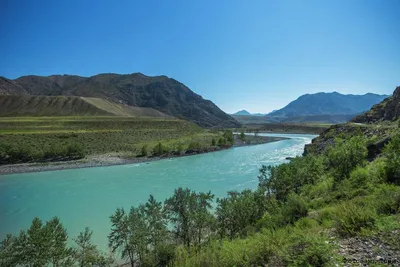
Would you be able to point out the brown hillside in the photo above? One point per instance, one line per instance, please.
(26, 105)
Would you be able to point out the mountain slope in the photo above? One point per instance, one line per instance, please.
(387, 110)
(159, 92)
(328, 104)
(26, 105)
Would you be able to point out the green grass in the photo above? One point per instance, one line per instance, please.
(100, 135)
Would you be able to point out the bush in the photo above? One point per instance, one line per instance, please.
(75, 151)
(294, 209)
(392, 152)
(159, 150)
(144, 151)
(351, 218)
(310, 249)
(195, 146)
(346, 156)
(213, 142)
(291, 177)
(387, 199)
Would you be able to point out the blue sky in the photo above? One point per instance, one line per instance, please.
(254, 55)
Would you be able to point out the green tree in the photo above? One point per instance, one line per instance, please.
(156, 224)
(242, 136)
(177, 210)
(87, 254)
(58, 251)
(239, 210)
(128, 234)
(203, 220)
(9, 255)
(213, 143)
(190, 214)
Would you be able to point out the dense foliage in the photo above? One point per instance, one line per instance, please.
(295, 217)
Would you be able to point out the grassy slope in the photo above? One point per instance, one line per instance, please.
(99, 135)
(23, 105)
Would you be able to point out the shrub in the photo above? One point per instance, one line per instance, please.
(351, 218)
(221, 141)
(310, 250)
(213, 142)
(291, 177)
(159, 150)
(392, 152)
(345, 156)
(195, 146)
(387, 199)
(75, 151)
(294, 209)
(144, 151)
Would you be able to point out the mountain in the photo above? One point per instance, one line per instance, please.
(328, 104)
(246, 113)
(378, 124)
(137, 90)
(242, 113)
(387, 110)
(27, 105)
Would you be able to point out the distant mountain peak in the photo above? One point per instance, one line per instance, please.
(242, 112)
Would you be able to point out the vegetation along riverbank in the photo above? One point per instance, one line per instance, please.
(31, 144)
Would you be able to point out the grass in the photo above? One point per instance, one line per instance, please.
(100, 135)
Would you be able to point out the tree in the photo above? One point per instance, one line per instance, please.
(190, 214)
(177, 210)
(59, 253)
(242, 136)
(87, 254)
(239, 210)
(156, 222)
(8, 251)
(128, 234)
(202, 217)
(120, 236)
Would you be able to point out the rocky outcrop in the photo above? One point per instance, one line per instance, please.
(387, 110)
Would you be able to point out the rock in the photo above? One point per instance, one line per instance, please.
(379, 258)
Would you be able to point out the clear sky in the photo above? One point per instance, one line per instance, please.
(254, 55)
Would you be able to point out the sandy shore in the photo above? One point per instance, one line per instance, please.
(111, 160)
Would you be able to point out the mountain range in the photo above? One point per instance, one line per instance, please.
(160, 93)
(320, 107)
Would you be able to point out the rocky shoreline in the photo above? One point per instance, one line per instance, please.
(112, 160)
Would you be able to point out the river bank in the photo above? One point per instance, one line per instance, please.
(121, 159)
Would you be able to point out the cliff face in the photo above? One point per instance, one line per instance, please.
(159, 92)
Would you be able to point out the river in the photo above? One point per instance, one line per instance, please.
(88, 196)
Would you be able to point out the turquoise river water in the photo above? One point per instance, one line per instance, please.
(88, 196)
